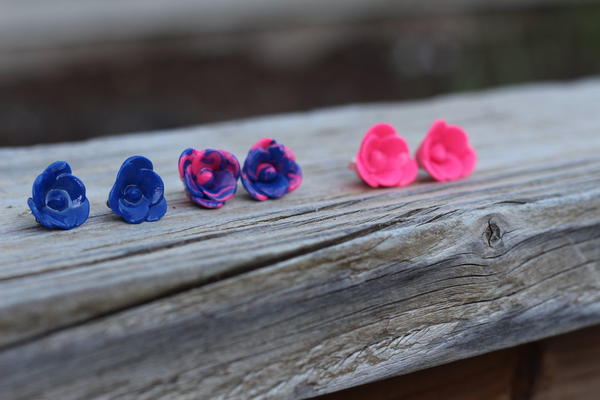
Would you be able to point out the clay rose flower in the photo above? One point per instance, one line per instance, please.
(138, 192)
(270, 170)
(384, 158)
(58, 198)
(445, 152)
(209, 176)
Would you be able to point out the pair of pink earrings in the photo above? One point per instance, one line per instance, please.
(384, 157)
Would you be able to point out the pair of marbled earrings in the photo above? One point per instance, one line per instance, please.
(210, 178)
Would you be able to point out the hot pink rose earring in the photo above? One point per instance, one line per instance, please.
(384, 158)
(445, 152)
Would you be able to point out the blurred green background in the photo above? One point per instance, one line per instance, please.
(70, 74)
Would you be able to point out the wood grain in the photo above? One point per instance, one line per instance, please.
(560, 368)
(333, 286)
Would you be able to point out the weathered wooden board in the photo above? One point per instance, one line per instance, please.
(559, 368)
(333, 286)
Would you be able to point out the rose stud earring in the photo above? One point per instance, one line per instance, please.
(58, 198)
(209, 176)
(270, 170)
(138, 192)
(445, 152)
(384, 158)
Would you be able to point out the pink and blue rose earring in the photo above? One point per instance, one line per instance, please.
(58, 198)
(445, 152)
(138, 192)
(384, 158)
(270, 170)
(209, 176)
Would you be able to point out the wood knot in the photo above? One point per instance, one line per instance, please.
(493, 233)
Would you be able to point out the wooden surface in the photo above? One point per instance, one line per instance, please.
(560, 368)
(333, 286)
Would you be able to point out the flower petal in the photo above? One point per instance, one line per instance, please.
(437, 130)
(72, 185)
(138, 162)
(191, 187)
(455, 140)
(277, 152)
(113, 198)
(46, 179)
(185, 160)
(231, 164)
(369, 144)
(80, 213)
(54, 219)
(410, 171)
(273, 189)
(157, 211)
(449, 170)
(365, 174)
(381, 131)
(263, 144)
(224, 187)
(151, 185)
(404, 173)
(42, 217)
(252, 191)
(293, 173)
(208, 158)
(393, 146)
(134, 213)
(130, 168)
(66, 219)
(253, 160)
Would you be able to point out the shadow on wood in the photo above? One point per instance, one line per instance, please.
(561, 368)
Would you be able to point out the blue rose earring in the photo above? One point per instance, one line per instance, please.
(58, 198)
(138, 192)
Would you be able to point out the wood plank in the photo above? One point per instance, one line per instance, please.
(333, 286)
(490, 377)
(562, 367)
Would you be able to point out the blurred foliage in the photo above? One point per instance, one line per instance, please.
(165, 84)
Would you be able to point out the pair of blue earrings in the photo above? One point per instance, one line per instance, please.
(58, 197)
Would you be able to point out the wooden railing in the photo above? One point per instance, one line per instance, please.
(334, 285)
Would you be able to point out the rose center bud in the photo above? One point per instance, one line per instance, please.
(57, 199)
(266, 172)
(438, 153)
(377, 158)
(132, 194)
(205, 176)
